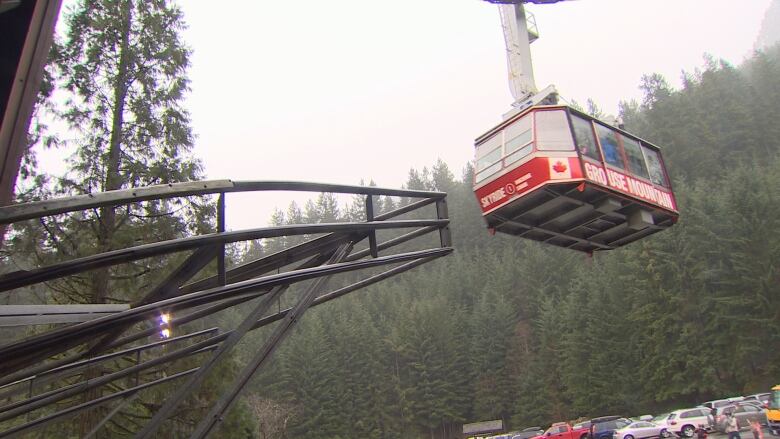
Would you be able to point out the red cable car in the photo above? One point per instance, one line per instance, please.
(556, 175)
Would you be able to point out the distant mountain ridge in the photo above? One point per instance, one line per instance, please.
(769, 34)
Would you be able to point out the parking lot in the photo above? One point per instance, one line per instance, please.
(745, 434)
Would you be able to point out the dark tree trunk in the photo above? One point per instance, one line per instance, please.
(113, 181)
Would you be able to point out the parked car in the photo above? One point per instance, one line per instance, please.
(754, 402)
(661, 421)
(604, 427)
(763, 398)
(581, 425)
(684, 422)
(638, 430)
(722, 402)
(745, 413)
(719, 418)
(562, 430)
(528, 433)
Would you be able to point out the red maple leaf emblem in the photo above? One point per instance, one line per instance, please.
(559, 167)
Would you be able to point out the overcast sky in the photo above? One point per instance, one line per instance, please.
(343, 90)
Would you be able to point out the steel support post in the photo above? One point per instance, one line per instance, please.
(217, 412)
(445, 236)
(371, 234)
(220, 229)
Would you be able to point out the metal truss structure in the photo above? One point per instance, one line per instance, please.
(48, 369)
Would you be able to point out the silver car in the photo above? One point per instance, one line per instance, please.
(638, 430)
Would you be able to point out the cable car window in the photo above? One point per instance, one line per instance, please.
(583, 134)
(488, 172)
(609, 146)
(518, 144)
(517, 135)
(636, 162)
(488, 158)
(655, 167)
(552, 131)
(519, 154)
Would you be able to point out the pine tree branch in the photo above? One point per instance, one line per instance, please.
(53, 238)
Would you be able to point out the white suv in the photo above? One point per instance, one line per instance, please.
(684, 422)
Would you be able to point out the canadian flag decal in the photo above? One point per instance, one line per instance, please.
(559, 168)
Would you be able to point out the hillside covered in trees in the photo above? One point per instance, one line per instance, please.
(514, 330)
(502, 329)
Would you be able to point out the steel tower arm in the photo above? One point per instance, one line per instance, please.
(520, 31)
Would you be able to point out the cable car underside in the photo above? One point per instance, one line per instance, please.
(579, 216)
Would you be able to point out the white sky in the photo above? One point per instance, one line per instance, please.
(335, 91)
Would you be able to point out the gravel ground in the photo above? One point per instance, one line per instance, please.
(745, 434)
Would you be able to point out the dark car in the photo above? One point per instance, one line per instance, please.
(605, 426)
(581, 425)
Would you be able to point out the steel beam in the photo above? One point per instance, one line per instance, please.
(14, 409)
(211, 342)
(302, 186)
(72, 366)
(270, 263)
(40, 422)
(22, 315)
(24, 278)
(110, 415)
(445, 236)
(348, 289)
(177, 321)
(295, 253)
(224, 349)
(221, 229)
(37, 209)
(370, 217)
(34, 349)
(184, 272)
(281, 331)
(558, 234)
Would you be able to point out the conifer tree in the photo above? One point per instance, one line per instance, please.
(121, 70)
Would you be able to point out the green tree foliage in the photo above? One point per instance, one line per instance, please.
(514, 330)
(502, 329)
(120, 72)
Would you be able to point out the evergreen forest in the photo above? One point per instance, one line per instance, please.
(511, 329)
(504, 328)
